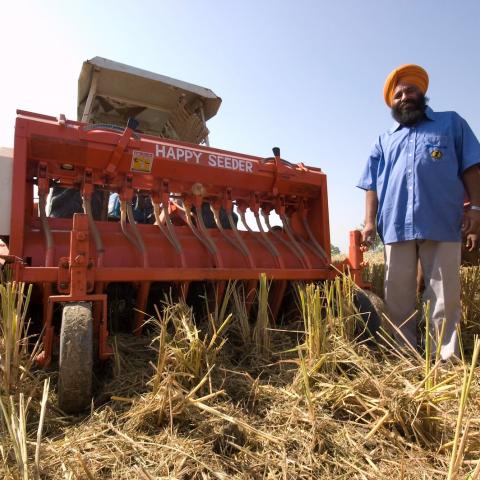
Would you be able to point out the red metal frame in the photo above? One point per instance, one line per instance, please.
(64, 254)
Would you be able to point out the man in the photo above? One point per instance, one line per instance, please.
(415, 181)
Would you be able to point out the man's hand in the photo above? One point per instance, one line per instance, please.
(471, 243)
(471, 223)
(369, 233)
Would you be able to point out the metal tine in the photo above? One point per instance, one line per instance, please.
(319, 249)
(239, 238)
(260, 239)
(312, 249)
(207, 236)
(144, 288)
(123, 224)
(271, 247)
(292, 245)
(204, 239)
(241, 211)
(291, 236)
(188, 218)
(171, 230)
(218, 223)
(87, 208)
(313, 245)
(164, 229)
(135, 239)
(183, 286)
(136, 233)
(244, 221)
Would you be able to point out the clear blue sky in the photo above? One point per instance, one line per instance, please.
(306, 75)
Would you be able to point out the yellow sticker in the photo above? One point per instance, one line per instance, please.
(436, 154)
(141, 162)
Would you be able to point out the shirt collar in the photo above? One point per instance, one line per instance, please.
(429, 113)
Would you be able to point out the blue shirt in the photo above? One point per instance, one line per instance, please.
(417, 174)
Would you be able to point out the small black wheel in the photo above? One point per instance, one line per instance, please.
(370, 307)
(76, 357)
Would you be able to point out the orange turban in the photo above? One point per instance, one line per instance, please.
(413, 74)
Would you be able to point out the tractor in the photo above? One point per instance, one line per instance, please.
(131, 193)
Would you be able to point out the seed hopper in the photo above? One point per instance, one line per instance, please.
(144, 136)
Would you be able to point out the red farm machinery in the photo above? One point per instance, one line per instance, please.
(142, 138)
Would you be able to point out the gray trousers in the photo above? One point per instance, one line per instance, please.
(440, 263)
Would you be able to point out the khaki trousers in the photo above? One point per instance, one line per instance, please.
(440, 263)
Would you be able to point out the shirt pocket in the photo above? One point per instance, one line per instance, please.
(436, 147)
(436, 140)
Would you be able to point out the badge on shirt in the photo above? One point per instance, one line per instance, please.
(436, 154)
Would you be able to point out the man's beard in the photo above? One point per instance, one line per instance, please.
(411, 112)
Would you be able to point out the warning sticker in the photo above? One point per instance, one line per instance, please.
(141, 161)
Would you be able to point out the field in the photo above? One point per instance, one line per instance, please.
(223, 397)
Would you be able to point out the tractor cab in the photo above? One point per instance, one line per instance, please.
(110, 93)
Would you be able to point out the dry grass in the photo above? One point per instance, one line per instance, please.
(214, 399)
(13, 333)
(19, 389)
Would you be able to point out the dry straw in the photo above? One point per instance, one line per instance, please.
(261, 329)
(13, 332)
(186, 404)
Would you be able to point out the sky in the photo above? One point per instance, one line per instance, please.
(304, 75)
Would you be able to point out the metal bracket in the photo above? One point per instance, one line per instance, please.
(119, 151)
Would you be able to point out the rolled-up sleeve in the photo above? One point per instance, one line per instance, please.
(467, 145)
(368, 180)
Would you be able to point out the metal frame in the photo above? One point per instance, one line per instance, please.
(76, 258)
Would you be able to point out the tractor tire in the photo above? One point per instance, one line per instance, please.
(76, 357)
(371, 308)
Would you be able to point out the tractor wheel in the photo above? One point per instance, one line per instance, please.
(76, 357)
(370, 307)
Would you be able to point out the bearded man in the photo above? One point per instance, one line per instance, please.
(415, 181)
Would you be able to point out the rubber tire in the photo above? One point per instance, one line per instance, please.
(76, 357)
(370, 306)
